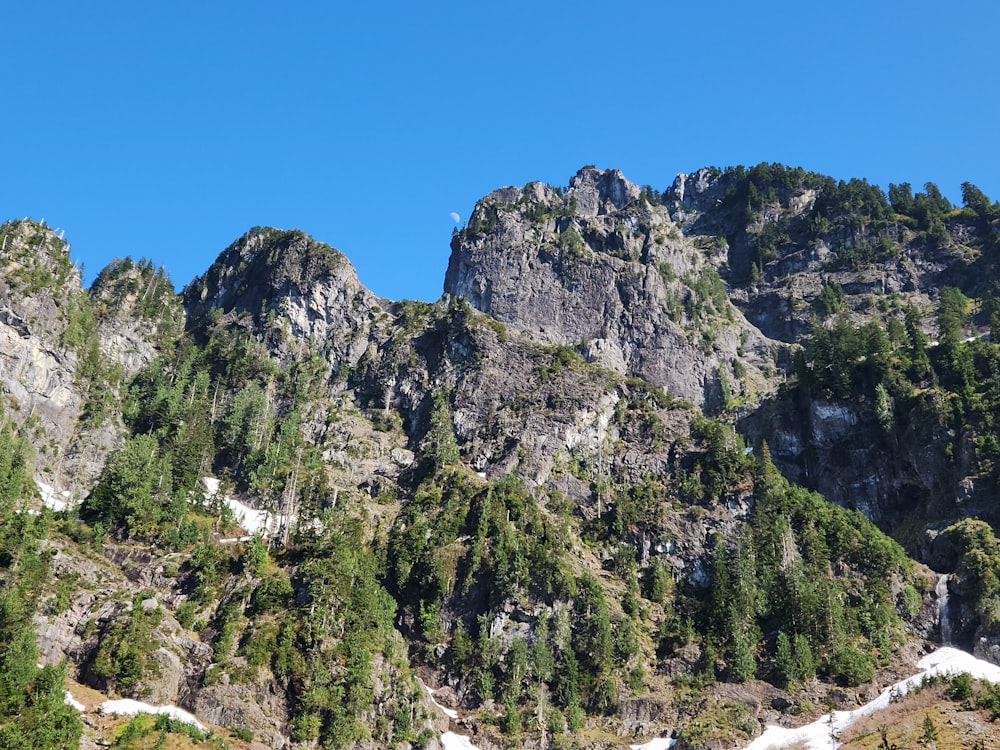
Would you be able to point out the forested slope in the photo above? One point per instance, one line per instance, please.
(679, 461)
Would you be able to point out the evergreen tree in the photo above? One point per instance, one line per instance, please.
(439, 446)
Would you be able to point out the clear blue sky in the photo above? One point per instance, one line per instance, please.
(166, 130)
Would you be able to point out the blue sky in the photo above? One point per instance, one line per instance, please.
(166, 130)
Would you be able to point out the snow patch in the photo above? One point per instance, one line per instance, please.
(128, 707)
(251, 519)
(660, 743)
(71, 701)
(452, 741)
(57, 501)
(449, 712)
(819, 735)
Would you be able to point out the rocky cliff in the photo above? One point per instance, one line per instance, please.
(294, 295)
(602, 268)
(570, 498)
(40, 328)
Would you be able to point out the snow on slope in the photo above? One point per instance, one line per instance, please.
(57, 501)
(254, 521)
(660, 743)
(69, 700)
(817, 736)
(128, 707)
(452, 741)
(451, 713)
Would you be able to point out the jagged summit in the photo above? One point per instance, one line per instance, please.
(265, 261)
(295, 292)
(586, 520)
(603, 266)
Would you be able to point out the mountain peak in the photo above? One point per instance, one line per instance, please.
(601, 191)
(603, 267)
(294, 291)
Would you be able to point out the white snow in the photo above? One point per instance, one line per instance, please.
(71, 701)
(817, 736)
(452, 741)
(449, 712)
(57, 501)
(128, 706)
(253, 520)
(660, 743)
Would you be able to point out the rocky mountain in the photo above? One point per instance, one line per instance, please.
(601, 267)
(658, 463)
(63, 358)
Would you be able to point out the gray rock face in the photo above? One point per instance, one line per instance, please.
(55, 338)
(39, 291)
(778, 290)
(602, 268)
(300, 296)
(243, 707)
(135, 305)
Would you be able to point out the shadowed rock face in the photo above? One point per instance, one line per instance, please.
(601, 268)
(299, 295)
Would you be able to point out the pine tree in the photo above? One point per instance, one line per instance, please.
(930, 732)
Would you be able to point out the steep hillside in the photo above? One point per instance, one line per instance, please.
(569, 504)
(65, 352)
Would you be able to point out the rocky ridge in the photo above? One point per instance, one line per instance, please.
(511, 378)
(602, 268)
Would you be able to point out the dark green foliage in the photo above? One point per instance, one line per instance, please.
(989, 700)
(125, 653)
(33, 712)
(142, 288)
(439, 447)
(901, 198)
(853, 217)
(15, 479)
(953, 316)
(484, 219)
(463, 549)
(134, 490)
(342, 596)
(779, 578)
(831, 298)
(510, 543)
(592, 624)
(978, 554)
(206, 567)
(961, 687)
(142, 726)
(722, 462)
(274, 594)
(842, 360)
(929, 730)
(39, 264)
(924, 211)
(651, 195)
(572, 245)
(852, 666)
(917, 390)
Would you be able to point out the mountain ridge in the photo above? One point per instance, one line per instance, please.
(555, 492)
